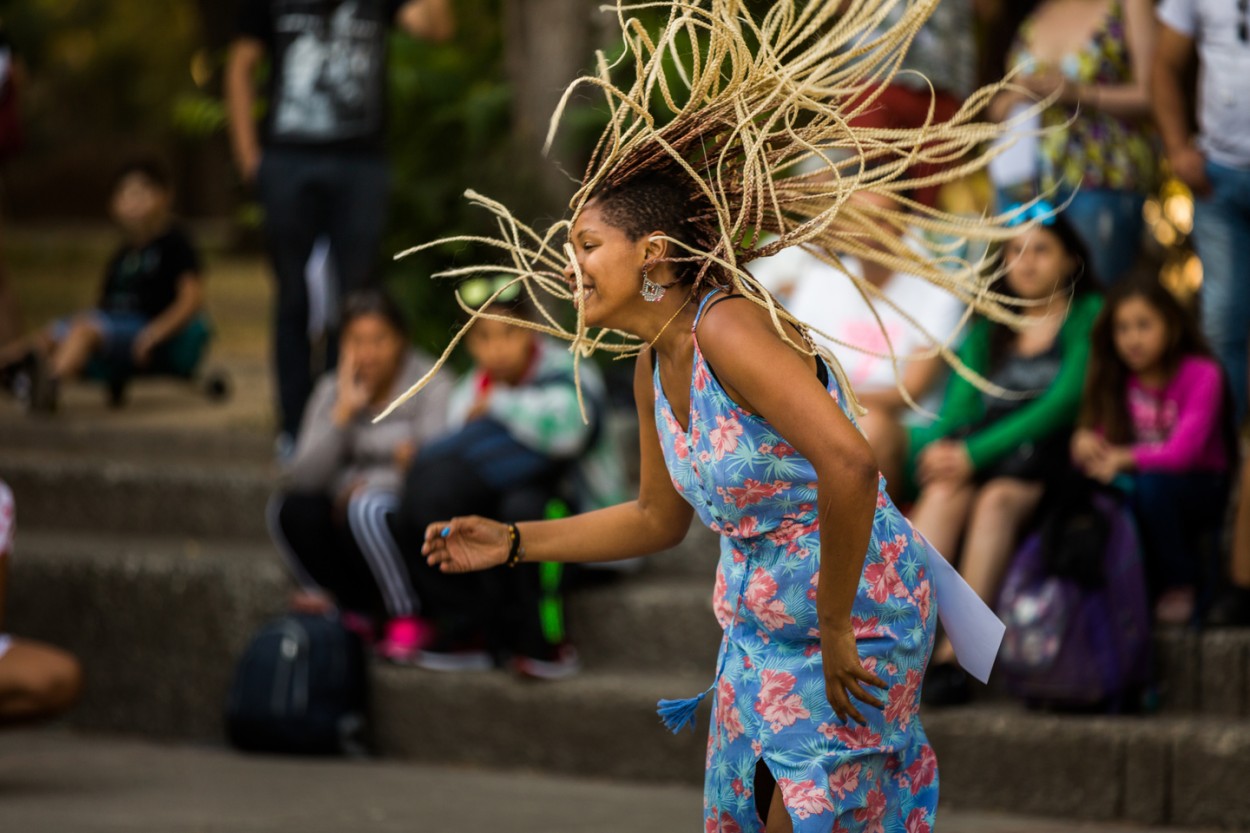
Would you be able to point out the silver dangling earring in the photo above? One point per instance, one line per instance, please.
(651, 291)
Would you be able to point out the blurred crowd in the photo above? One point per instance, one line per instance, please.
(1098, 468)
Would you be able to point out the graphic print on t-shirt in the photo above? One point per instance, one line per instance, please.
(328, 86)
(1154, 416)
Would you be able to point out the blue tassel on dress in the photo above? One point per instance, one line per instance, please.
(678, 714)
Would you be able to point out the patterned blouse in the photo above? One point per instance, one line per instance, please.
(1096, 149)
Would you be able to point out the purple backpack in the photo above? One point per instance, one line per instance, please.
(1077, 644)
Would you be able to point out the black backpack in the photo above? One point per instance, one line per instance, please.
(301, 687)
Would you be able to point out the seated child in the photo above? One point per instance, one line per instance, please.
(152, 289)
(344, 477)
(1157, 418)
(36, 680)
(518, 446)
(983, 467)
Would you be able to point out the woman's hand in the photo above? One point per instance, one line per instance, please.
(1047, 82)
(945, 460)
(1088, 448)
(1114, 460)
(351, 396)
(1190, 166)
(463, 545)
(1000, 107)
(405, 453)
(141, 350)
(845, 674)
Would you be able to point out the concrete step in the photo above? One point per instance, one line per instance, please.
(157, 623)
(70, 492)
(1155, 770)
(170, 590)
(124, 442)
(219, 496)
(646, 622)
(1183, 770)
(599, 724)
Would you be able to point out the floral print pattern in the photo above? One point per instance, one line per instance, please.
(1087, 147)
(751, 486)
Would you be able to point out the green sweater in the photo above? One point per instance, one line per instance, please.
(1055, 409)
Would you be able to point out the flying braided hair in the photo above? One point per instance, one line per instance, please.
(751, 121)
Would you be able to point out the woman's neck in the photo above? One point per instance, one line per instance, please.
(1056, 304)
(669, 326)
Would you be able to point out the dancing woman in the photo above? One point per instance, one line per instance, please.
(826, 595)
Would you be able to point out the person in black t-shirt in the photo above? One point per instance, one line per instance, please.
(317, 160)
(152, 289)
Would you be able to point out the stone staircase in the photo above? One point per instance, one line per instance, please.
(145, 553)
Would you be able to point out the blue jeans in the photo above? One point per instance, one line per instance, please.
(1175, 513)
(118, 330)
(1110, 223)
(1222, 238)
(307, 194)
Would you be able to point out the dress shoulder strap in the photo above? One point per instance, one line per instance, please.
(704, 305)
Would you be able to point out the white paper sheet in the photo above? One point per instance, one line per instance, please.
(973, 629)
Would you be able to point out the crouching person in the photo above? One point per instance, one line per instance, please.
(345, 473)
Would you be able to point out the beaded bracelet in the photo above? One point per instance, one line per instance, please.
(516, 552)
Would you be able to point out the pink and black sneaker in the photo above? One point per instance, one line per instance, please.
(405, 638)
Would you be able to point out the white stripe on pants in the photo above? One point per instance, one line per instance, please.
(366, 517)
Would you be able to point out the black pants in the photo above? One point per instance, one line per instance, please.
(307, 194)
(512, 608)
(312, 532)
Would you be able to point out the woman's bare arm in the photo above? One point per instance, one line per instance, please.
(1131, 100)
(657, 520)
(770, 378)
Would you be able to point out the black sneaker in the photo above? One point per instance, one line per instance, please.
(1231, 609)
(44, 388)
(16, 377)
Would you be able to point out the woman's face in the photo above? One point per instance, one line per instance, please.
(1141, 334)
(376, 348)
(611, 266)
(1038, 265)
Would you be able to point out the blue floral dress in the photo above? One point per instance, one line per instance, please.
(753, 489)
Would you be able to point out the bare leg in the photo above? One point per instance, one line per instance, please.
(1001, 509)
(941, 513)
(16, 350)
(888, 441)
(72, 355)
(37, 681)
(778, 819)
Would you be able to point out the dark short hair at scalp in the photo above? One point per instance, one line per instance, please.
(655, 202)
(153, 170)
(365, 302)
